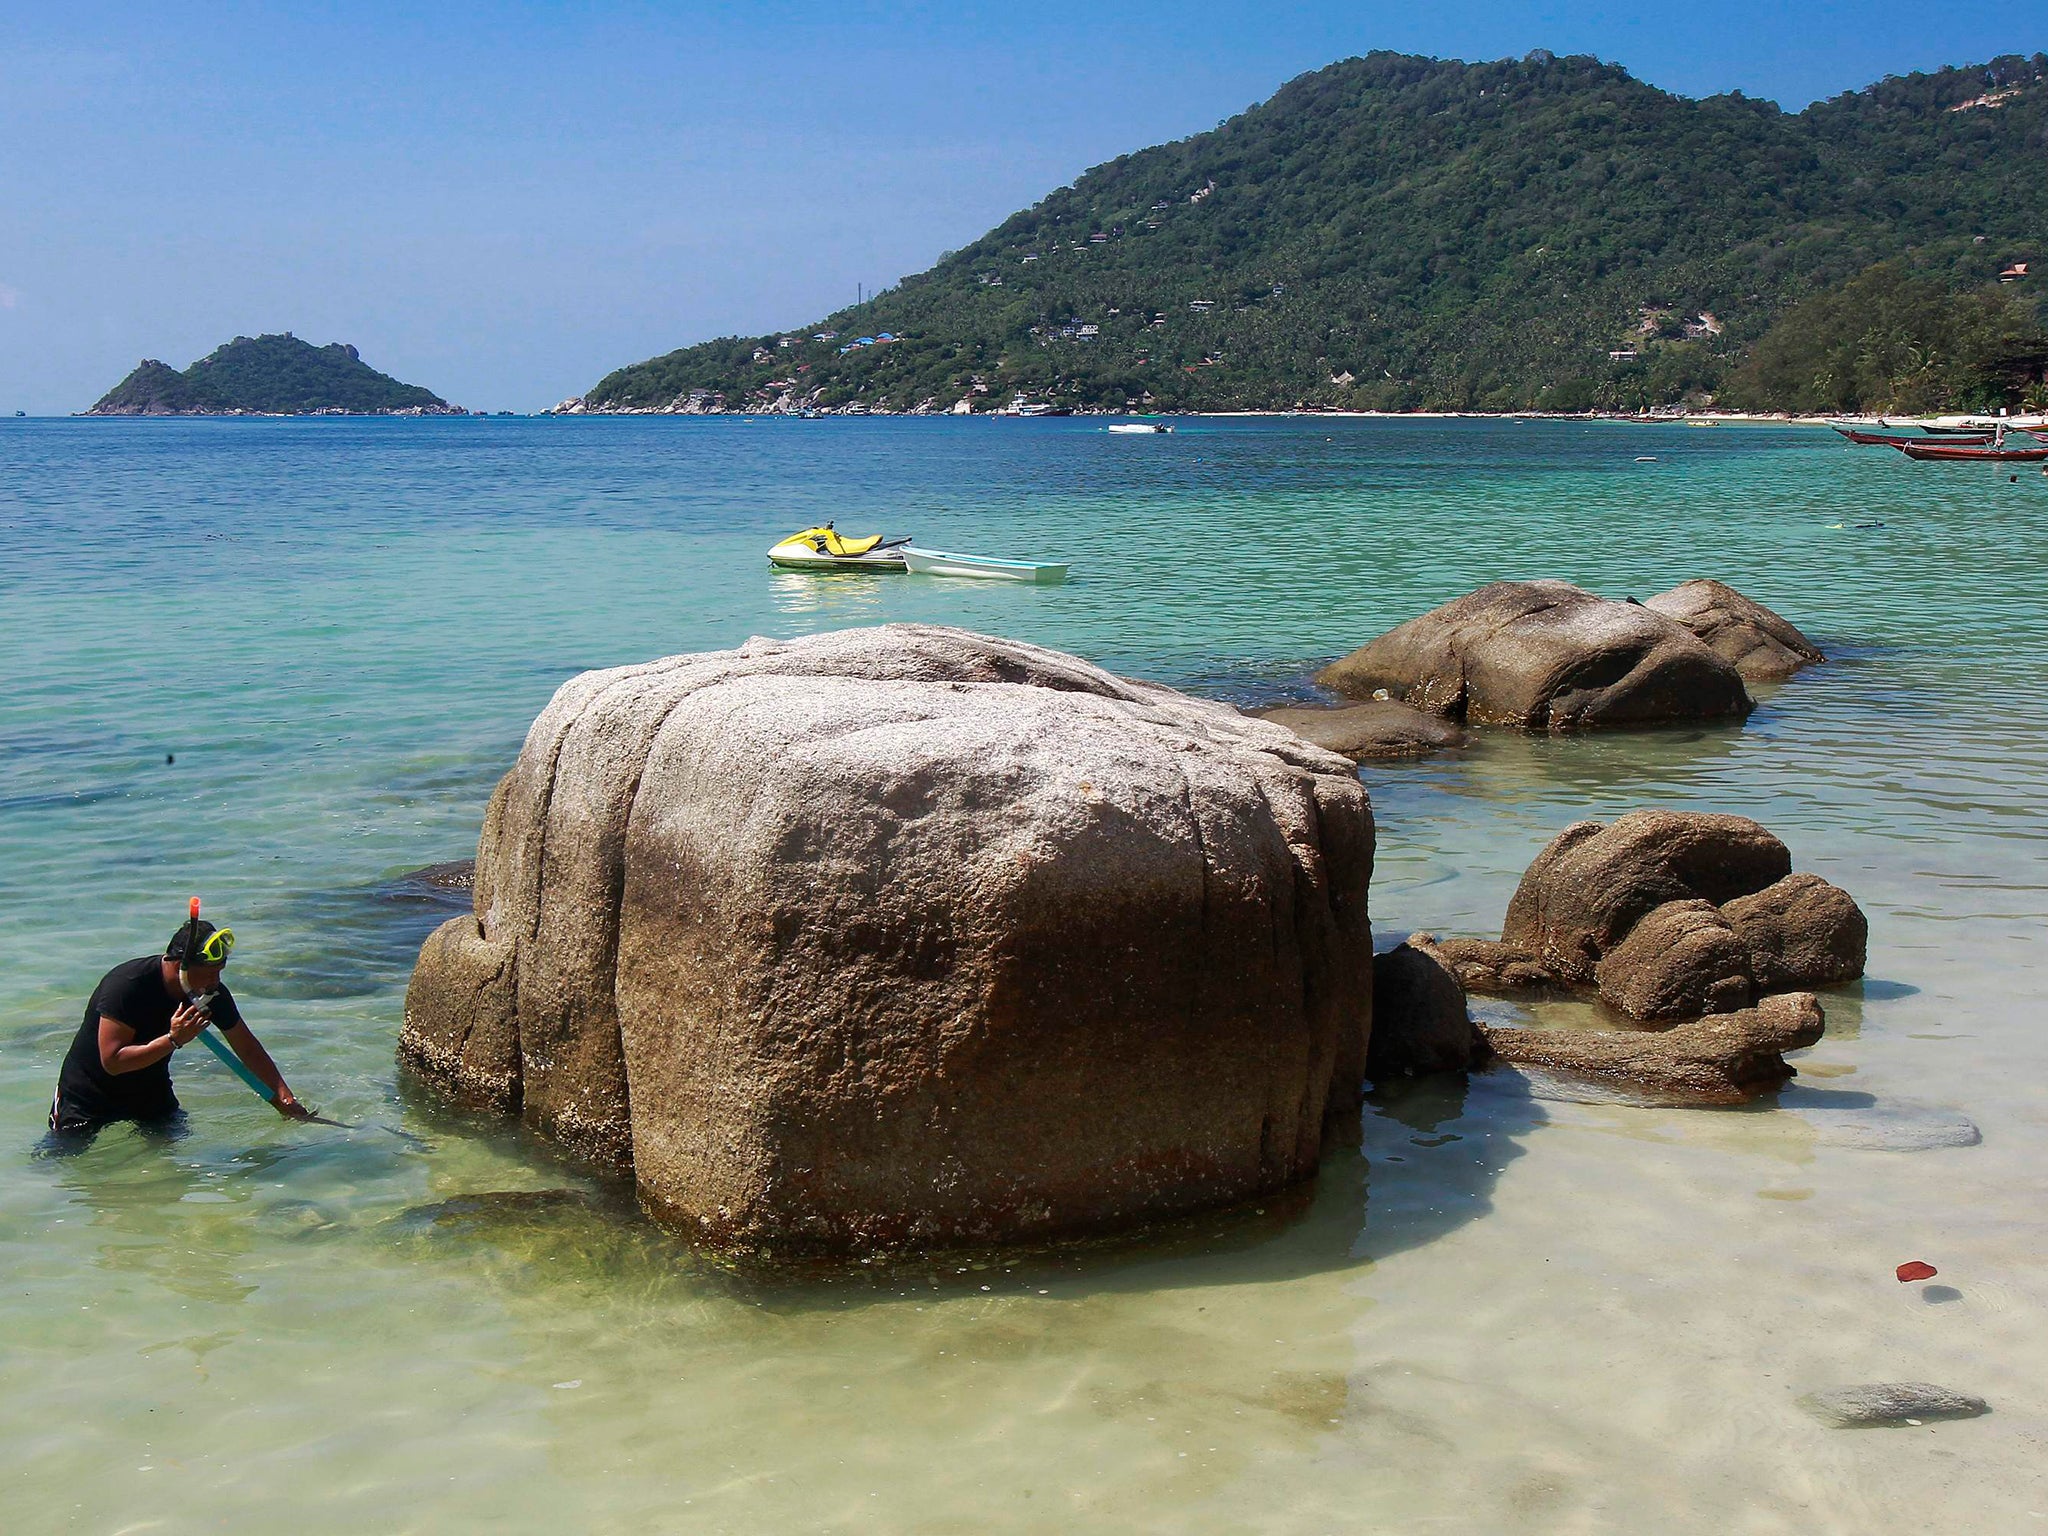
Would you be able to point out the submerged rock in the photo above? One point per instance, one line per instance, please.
(911, 935)
(1679, 962)
(1587, 890)
(1897, 1125)
(1724, 1058)
(1880, 1403)
(1544, 656)
(454, 875)
(1377, 728)
(1801, 932)
(1758, 643)
(1419, 1022)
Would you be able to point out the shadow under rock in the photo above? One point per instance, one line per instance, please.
(1431, 1151)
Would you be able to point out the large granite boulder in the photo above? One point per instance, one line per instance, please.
(1721, 1059)
(1589, 888)
(1419, 1022)
(1544, 655)
(1377, 728)
(1801, 932)
(910, 935)
(1758, 643)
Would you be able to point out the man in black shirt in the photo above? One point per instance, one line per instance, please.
(118, 1067)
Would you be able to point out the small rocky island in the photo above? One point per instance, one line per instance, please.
(270, 376)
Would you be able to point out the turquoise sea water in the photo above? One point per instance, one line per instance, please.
(1509, 1311)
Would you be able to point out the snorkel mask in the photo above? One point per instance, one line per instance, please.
(209, 948)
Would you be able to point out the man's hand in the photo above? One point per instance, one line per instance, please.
(290, 1107)
(186, 1024)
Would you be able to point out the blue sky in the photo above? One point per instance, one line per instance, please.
(505, 202)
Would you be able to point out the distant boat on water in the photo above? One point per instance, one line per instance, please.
(1955, 451)
(1892, 439)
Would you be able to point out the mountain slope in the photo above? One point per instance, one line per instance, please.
(267, 375)
(1399, 232)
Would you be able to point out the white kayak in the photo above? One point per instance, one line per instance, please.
(1135, 428)
(938, 562)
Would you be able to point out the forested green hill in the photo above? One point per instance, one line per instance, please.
(1397, 233)
(268, 375)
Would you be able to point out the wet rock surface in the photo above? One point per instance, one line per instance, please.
(1668, 916)
(1376, 728)
(1587, 890)
(1419, 1018)
(1679, 962)
(1761, 645)
(1884, 1403)
(1544, 656)
(1724, 1058)
(1489, 966)
(911, 936)
(1801, 932)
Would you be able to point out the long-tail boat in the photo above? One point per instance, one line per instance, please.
(1892, 440)
(1957, 451)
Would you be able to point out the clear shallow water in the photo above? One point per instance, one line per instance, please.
(1506, 1312)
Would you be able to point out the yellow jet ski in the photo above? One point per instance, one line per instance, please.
(821, 549)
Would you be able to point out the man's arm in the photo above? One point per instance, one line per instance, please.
(119, 1053)
(257, 1060)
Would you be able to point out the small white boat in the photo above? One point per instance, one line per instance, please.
(1135, 428)
(938, 562)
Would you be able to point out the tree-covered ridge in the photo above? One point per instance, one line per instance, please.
(1396, 232)
(267, 375)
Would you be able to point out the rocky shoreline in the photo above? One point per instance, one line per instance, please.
(703, 403)
(913, 937)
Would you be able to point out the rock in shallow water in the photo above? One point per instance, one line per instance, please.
(1801, 932)
(1544, 655)
(1419, 1022)
(1377, 728)
(1881, 1403)
(1589, 887)
(1679, 962)
(1897, 1125)
(1761, 645)
(1485, 965)
(1722, 1059)
(910, 935)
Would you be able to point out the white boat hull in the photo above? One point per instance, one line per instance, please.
(939, 562)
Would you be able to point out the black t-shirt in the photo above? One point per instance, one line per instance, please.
(132, 992)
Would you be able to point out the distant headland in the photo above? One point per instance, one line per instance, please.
(270, 376)
(1395, 233)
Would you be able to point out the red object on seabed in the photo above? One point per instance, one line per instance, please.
(1916, 1270)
